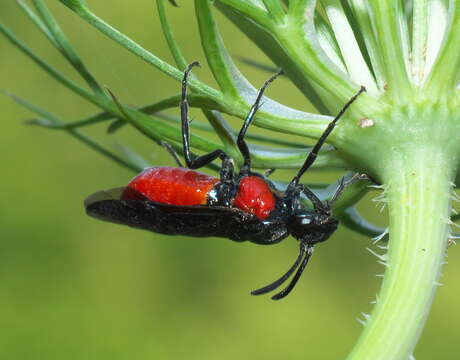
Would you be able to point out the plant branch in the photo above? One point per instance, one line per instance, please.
(418, 193)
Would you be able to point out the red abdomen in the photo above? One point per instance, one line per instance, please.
(255, 197)
(171, 185)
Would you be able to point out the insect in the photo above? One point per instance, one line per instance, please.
(241, 206)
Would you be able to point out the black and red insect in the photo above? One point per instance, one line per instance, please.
(240, 206)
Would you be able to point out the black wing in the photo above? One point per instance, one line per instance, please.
(198, 221)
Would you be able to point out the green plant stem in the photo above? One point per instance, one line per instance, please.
(419, 198)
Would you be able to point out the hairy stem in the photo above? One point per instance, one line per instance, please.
(418, 193)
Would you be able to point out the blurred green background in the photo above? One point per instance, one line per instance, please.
(75, 288)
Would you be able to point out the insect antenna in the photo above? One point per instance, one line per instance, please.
(314, 151)
(282, 279)
(298, 274)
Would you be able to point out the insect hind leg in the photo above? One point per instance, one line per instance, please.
(167, 146)
(202, 160)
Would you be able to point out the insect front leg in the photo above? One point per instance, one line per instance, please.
(317, 203)
(344, 184)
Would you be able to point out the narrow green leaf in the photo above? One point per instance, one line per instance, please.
(351, 53)
(437, 22)
(230, 80)
(132, 157)
(264, 157)
(179, 58)
(158, 130)
(250, 10)
(250, 136)
(388, 16)
(234, 83)
(405, 33)
(75, 5)
(353, 220)
(271, 116)
(37, 21)
(274, 50)
(258, 65)
(66, 48)
(170, 102)
(155, 128)
(328, 42)
(275, 10)
(116, 125)
(102, 150)
(87, 121)
(145, 55)
(58, 76)
(419, 39)
(218, 122)
(363, 15)
(444, 75)
(294, 47)
(76, 134)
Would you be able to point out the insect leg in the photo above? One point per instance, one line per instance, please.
(343, 184)
(242, 146)
(200, 161)
(314, 151)
(298, 274)
(269, 172)
(283, 278)
(167, 146)
(317, 203)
